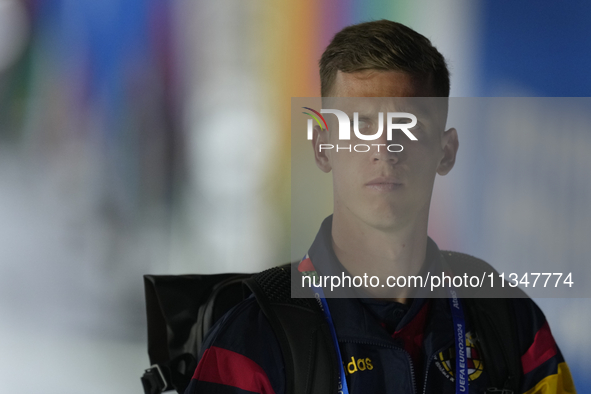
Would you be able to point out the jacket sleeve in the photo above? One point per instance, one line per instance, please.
(240, 355)
(544, 369)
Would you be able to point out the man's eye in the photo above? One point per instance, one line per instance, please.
(405, 121)
(366, 127)
(401, 120)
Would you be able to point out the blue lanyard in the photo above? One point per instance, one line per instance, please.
(319, 294)
(457, 315)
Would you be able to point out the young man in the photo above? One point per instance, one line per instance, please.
(387, 344)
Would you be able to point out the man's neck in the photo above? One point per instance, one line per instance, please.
(363, 249)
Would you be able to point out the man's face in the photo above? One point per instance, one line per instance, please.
(383, 189)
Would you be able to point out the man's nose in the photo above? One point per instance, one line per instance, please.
(383, 149)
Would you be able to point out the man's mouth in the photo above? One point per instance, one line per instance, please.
(384, 184)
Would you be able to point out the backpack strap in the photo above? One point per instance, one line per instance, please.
(311, 364)
(495, 327)
(174, 374)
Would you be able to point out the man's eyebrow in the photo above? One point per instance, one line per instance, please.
(364, 113)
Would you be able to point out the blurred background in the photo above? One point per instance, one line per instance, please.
(151, 136)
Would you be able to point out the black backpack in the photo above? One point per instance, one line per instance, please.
(182, 308)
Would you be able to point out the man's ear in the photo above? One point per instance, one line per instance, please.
(449, 144)
(319, 141)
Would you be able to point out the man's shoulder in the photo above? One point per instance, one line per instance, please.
(241, 344)
(529, 319)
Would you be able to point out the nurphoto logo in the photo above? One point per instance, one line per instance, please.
(394, 121)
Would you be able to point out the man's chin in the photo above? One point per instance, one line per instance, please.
(384, 220)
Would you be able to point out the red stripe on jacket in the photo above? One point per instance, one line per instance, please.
(543, 349)
(232, 369)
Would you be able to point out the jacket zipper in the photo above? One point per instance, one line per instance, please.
(430, 359)
(412, 369)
